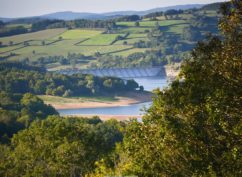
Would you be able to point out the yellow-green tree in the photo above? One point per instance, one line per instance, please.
(59, 147)
(194, 128)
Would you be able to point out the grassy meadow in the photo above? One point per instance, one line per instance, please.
(79, 34)
(62, 100)
(61, 41)
(40, 35)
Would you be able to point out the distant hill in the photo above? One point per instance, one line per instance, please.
(68, 15)
(213, 6)
(76, 15)
(178, 7)
(6, 19)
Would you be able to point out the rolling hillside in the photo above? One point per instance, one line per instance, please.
(135, 43)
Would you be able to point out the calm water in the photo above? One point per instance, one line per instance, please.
(149, 84)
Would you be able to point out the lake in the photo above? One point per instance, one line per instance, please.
(149, 83)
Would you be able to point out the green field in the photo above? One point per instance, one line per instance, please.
(63, 48)
(177, 29)
(60, 41)
(131, 51)
(134, 30)
(151, 23)
(40, 35)
(79, 33)
(61, 100)
(10, 48)
(132, 38)
(102, 39)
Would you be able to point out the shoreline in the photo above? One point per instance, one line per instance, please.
(106, 117)
(121, 100)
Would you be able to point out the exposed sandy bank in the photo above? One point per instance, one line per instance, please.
(108, 117)
(121, 100)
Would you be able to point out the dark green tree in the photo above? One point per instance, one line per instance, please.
(191, 33)
(136, 24)
(10, 43)
(194, 127)
(59, 147)
(131, 84)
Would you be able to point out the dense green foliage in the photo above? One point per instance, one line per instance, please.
(20, 66)
(7, 31)
(129, 18)
(173, 12)
(79, 23)
(153, 15)
(2, 23)
(213, 6)
(18, 111)
(139, 59)
(14, 80)
(60, 147)
(70, 59)
(194, 127)
(191, 33)
(44, 24)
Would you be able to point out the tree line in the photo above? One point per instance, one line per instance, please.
(14, 80)
(18, 111)
(38, 25)
(10, 31)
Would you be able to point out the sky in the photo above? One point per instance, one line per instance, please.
(24, 8)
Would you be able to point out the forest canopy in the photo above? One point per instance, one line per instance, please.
(20, 78)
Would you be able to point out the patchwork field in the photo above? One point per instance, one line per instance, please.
(40, 35)
(79, 33)
(89, 42)
(132, 50)
(151, 23)
(63, 48)
(101, 39)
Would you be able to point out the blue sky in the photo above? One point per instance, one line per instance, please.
(23, 8)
